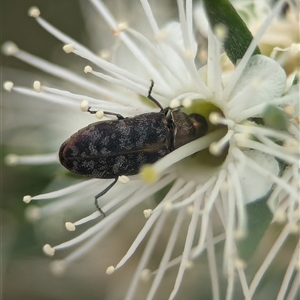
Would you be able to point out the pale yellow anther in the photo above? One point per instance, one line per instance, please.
(123, 179)
(37, 86)
(9, 48)
(280, 216)
(84, 105)
(105, 54)
(293, 228)
(122, 26)
(240, 264)
(168, 206)
(189, 264)
(220, 31)
(27, 198)
(145, 275)
(239, 234)
(99, 114)
(190, 209)
(214, 117)
(70, 226)
(8, 85)
(88, 69)
(147, 213)
(215, 149)
(68, 48)
(48, 250)
(187, 103)
(174, 103)
(34, 12)
(110, 270)
(291, 145)
(295, 48)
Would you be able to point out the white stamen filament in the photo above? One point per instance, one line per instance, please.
(191, 68)
(44, 96)
(167, 254)
(87, 219)
(243, 141)
(217, 119)
(194, 253)
(96, 232)
(67, 75)
(207, 210)
(229, 248)
(159, 53)
(264, 131)
(240, 266)
(199, 191)
(212, 263)
(104, 104)
(177, 196)
(176, 186)
(66, 202)
(213, 67)
(187, 247)
(289, 273)
(124, 75)
(65, 191)
(216, 148)
(146, 255)
(267, 261)
(187, 150)
(150, 16)
(124, 80)
(257, 110)
(294, 288)
(284, 150)
(139, 55)
(241, 228)
(41, 159)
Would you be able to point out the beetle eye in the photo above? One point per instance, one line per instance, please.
(199, 123)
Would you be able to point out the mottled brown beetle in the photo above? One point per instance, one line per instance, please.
(109, 149)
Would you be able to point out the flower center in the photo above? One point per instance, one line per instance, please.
(205, 162)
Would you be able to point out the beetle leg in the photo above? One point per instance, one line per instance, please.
(101, 194)
(119, 117)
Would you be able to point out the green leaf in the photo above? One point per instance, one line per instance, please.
(238, 36)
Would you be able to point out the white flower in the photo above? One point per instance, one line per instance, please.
(209, 181)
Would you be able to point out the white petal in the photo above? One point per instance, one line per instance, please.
(262, 80)
(255, 185)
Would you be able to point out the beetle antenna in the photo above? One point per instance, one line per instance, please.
(101, 194)
(151, 98)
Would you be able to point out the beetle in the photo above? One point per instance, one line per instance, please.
(109, 149)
